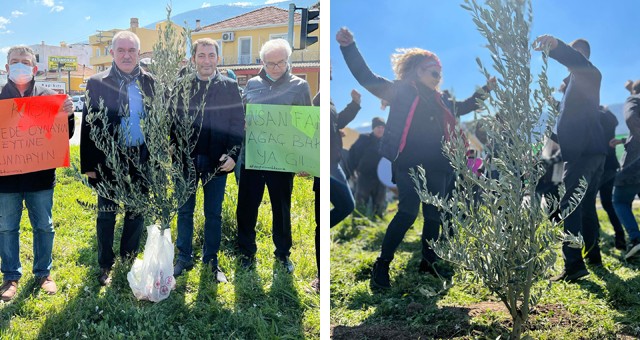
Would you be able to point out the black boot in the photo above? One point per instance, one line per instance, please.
(620, 242)
(380, 274)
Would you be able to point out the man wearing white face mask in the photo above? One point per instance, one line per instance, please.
(35, 189)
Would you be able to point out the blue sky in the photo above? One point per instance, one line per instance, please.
(29, 22)
(445, 28)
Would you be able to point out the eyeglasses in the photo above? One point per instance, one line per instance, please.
(281, 64)
(436, 74)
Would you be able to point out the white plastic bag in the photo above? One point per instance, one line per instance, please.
(152, 277)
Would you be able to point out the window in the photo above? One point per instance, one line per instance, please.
(37, 58)
(220, 54)
(97, 52)
(244, 50)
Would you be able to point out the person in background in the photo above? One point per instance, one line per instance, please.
(364, 159)
(627, 182)
(583, 147)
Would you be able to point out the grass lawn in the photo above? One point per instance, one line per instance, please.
(605, 305)
(255, 304)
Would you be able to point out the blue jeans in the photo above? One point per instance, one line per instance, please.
(340, 196)
(39, 205)
(622, 199)
(213, 197)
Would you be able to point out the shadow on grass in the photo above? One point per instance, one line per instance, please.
(440, 322)
(621, 294)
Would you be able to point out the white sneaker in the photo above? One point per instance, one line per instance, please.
(635, 249)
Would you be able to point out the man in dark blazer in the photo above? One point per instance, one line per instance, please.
(215, 153)
(121, 89)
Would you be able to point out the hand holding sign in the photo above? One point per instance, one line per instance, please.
(34, 134)
(283, 138)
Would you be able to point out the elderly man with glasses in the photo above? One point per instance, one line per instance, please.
(273, 85)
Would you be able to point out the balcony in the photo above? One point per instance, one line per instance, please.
(101, 60)
(296, 56)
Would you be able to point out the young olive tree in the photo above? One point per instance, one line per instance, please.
(154, 182)
(497, 227)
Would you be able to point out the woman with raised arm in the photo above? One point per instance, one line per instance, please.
(419, 119)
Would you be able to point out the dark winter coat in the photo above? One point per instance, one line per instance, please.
(287, 90)
(423, 131)
(222, 128)
(579, 130)
(104, 86)
(38, 180)
(364, 156)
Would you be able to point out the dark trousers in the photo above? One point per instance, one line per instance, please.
(105, 228)
(439, 183)
(370, 187)
(250, 192)
(583, 219)
(606, 199)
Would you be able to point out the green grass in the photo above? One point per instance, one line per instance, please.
(265, 303)
(606, 305)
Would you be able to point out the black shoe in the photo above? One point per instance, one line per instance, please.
(105, 276)
(437, 269)
(620, 243)
(247, 262)
(570, 277)
(634, 249)
(286, 263)
(219, 274)
(380, 274)
(180, 267)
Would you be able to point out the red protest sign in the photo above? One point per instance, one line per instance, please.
(34, 134)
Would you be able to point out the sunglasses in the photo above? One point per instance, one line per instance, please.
(436, 74)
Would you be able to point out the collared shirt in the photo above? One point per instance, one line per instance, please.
(136, 111)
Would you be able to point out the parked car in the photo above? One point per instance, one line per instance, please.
(78, 103)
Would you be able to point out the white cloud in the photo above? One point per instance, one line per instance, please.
(87, 18)
(16, 14)
(241, 4)
(48, 3)
(6, 32)
(3, 23)
(5, 49)
(206, 4)
(269, 2)
(57, 8)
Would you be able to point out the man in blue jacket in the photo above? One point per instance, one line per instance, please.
(34, 188)
(583, 145)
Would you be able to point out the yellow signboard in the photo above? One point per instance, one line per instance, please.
(63, 63)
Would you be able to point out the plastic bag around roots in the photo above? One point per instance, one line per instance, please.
(152, 277)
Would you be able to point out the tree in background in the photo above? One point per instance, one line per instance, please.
(498, 228)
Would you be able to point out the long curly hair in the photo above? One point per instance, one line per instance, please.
(406, 60)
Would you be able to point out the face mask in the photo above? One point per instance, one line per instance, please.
(20, 73)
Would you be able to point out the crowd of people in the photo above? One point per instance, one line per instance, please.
(421, 116)
(119, 94)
